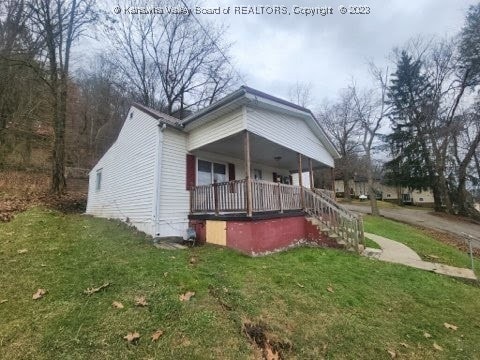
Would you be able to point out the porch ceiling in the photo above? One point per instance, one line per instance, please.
(262, 151)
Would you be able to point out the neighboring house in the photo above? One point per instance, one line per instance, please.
(226, 171)
(359, 186)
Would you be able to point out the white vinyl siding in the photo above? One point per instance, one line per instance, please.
(217, 129)
(126, 174)
(174, 199)
(289, 131)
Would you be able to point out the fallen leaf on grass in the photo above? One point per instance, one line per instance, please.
(437, 347)
(92, 290)
(330, 289)
(427, 335)
(193, 260)
(3, 301)
(392, 354)
(165, 274)
(22, 251)
(141, 301)
(156, 335)
(450, 326)
(300, 285)
(404, 345)
(132, 337)
(117, 305)
(187, 296)
(39, 294)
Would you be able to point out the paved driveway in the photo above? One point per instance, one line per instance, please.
(424, 218)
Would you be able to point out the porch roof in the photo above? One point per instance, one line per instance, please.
(245, 95)
(262, 151)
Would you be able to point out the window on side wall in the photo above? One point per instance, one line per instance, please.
(98, 180)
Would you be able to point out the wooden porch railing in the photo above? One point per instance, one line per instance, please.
(336, 218)
(227, 197)
(230, 197)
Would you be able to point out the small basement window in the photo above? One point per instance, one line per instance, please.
(98, 180)
(421, 199)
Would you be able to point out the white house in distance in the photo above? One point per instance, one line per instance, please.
(359, 186)
(226, 171)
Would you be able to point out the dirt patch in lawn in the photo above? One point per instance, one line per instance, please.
(270, 347)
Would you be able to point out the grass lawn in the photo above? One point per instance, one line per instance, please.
(381, 204)
(423, 244)
(315, 303)
(371, 244)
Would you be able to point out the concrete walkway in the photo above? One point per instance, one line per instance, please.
(395, 252)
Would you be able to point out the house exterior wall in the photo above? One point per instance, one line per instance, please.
(127, 187)
(212, 131)
(389, 192)
(289, 131)
(173, 198)
(339, 188)
(422, 197)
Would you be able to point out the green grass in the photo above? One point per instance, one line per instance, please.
(374, 306)
(371, 244)
(424, 245)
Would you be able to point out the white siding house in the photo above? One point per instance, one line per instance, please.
(145, 177)
(122, 183)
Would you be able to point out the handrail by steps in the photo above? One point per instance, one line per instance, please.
(337, 219)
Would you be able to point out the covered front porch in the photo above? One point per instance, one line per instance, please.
(246, 174)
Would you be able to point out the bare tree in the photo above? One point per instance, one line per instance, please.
(465, 145)
(343, 125)
(58, 23)
(301, 94)
(428, 101)
(129, 37)
(371, 109)
(174, 62)
(100, 110)
(22, 100)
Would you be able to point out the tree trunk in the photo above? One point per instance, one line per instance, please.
(445, 196)
(371, 189)
(346, 187)
(462, 195)
(464, 207)
(59, 120)
(437, 199)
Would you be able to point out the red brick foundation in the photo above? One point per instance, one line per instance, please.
(199, 226)
(253, 236)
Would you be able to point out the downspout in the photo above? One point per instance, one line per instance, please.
(156, 180)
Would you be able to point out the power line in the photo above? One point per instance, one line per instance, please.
(215, 43)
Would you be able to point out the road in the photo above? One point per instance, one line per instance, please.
(423, 217)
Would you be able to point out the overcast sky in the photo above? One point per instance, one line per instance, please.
(275, 51)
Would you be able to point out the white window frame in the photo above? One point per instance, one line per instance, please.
(98, 180)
